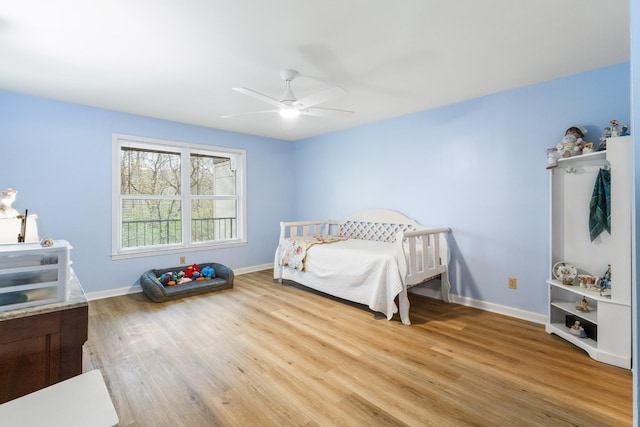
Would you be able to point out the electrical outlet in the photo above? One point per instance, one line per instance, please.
(182, 260)
(513, 283)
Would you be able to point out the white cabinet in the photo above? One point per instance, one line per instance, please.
(608, 323)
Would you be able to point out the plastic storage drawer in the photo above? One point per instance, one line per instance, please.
(31, 274)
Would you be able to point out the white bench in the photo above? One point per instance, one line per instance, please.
(79, 401)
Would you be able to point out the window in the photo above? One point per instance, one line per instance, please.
(171, 196)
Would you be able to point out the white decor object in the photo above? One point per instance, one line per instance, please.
(10, 228)
(565, 272)
(7, 197)
(571, 188)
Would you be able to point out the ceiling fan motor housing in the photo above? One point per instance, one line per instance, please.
(288, 97)
(288, 75)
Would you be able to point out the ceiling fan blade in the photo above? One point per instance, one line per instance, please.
(320, 97)
(326, 112)
(261, 97)
(226, 116)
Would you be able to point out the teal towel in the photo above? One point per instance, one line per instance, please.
(600, 205)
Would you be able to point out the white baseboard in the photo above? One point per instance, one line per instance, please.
(501, 309)
(246, 270)
(134, 289)
(420, 290)
(483, 305)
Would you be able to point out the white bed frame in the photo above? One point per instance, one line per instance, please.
(417, 246)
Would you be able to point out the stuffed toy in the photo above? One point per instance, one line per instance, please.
(168, 278)
(183, 279)
(188, 272)
(572, 142)
(191, 270)
(571, 145)
(208, 272)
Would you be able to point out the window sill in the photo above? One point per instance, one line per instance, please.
(176, 250)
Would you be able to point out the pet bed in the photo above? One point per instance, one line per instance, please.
(158, 292)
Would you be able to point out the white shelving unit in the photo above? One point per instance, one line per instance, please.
(33, 275)
(608, 323)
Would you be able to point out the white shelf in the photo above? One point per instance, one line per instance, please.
(571, 187)
(570, 308)
(597, 155)
(587, 344)
(579, 291)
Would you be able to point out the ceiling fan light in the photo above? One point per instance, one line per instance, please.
(289, 113)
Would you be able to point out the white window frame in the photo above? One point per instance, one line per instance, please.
(186, 149)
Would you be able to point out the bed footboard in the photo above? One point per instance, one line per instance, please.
(422, 256)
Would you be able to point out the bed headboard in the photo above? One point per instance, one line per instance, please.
(381, 225)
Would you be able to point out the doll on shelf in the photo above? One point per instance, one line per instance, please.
(577, 330)
(571, 145)
(572, 142)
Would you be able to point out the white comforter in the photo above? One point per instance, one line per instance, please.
(361, 271)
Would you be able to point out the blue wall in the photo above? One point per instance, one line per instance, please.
(58, 156)
(478, 167)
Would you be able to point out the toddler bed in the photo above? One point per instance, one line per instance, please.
(370, 258)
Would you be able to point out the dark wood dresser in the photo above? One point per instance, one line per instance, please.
(42, 345)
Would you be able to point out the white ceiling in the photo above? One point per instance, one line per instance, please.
(179, 59)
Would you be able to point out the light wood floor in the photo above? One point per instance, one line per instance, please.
(264, 354)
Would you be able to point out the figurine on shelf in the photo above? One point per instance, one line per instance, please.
(7, 197)
(603, 139)
(552, 157)
(610, 131)
(577, 330)
(614, 128)
(584, 306)
(605, 283)
(588, 148)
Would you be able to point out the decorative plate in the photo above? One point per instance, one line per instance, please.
(565, 272)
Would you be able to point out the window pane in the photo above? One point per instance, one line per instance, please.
(149, 172)
(213, 220)
(151, 222)
(211, 175)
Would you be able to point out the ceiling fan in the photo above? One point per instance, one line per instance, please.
(289, 106)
